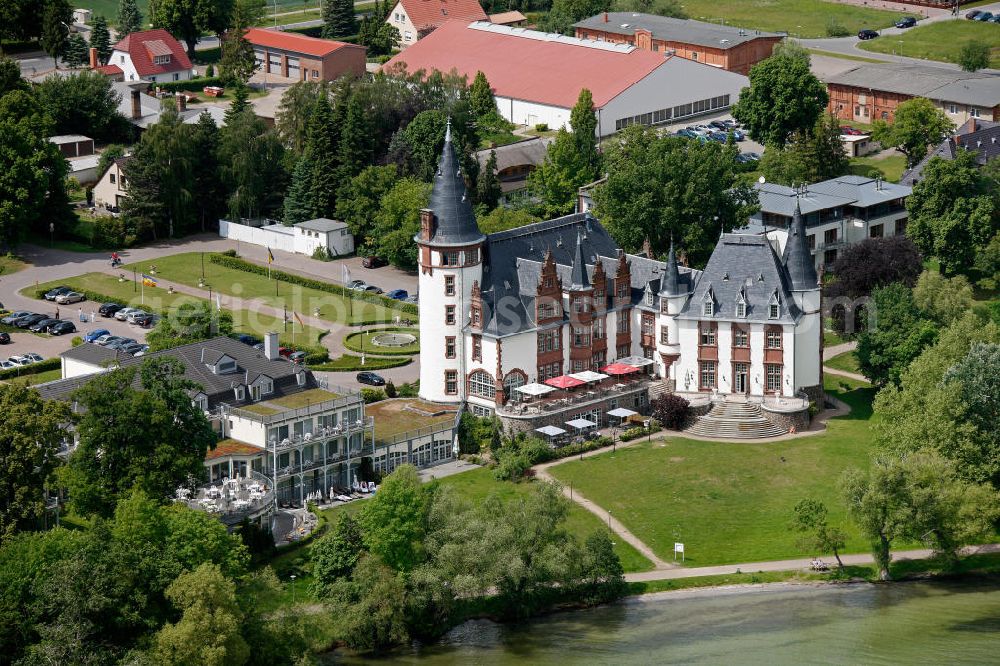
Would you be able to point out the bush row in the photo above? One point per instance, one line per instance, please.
(349, 362)
(191, 85)
(238, 264)
(637, 432)
(353, 342)
(33, 369)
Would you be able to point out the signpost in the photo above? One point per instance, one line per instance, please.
(678, 548)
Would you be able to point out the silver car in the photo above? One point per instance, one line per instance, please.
(71, 297)
(125, 312)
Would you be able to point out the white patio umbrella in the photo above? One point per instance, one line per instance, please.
(551, 431)
(581, 424)
(535, 389)
(622, 413)
(589, 376)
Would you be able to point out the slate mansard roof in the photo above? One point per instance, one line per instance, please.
(455, 221)
(196, 357)
(742, 266)
(851, 190)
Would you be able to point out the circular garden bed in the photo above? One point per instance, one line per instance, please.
(385, 341)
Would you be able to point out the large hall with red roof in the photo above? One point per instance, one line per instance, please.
(537, 77)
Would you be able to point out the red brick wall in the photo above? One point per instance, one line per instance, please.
(851, 103)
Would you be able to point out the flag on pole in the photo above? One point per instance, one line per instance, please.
(148, 281)
(298, 319)
(347, 274)
(270, 256)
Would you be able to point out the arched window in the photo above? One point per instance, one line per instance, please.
(481, 384)
(513, 380)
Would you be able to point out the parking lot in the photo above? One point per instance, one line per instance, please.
(50, 346)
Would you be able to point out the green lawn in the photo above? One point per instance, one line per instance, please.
(186, 268)
(304, 398)
(728, 502)
(478, 484)
(359, 342)
(157, 299)
(848, 362)
(831, 338)
(939, 41)
(10, 264)
(39, 378)
(800, 18)
(392, 417)
(890, 168)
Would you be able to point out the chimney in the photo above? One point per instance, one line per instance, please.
(181, 100)
(136, 105)
(427, 223)
(271, 346)
(605, 17)
(93, 58)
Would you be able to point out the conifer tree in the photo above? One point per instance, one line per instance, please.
(321, 151)
(355, 140)
(129, 18)
(297, 206)
(208, 192)
(488, 187)
(584, 124)
(240, 103)
(339, 19)
(481, 97)
(100, 39)
(238, 61)
(75, 54)
(56, 16)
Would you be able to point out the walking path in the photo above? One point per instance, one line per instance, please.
(837, 350)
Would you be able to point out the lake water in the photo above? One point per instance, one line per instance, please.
(900, 623)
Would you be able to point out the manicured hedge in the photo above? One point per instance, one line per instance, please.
(238, 264)
(349, 362)
(33, 369)
(191, 85)
(353, 342)
(637, 432)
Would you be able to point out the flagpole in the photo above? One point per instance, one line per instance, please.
(142, 293)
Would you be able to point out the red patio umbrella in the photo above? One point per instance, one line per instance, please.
(564, 382)
(619, 369)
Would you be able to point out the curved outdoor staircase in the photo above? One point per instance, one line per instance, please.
(734, 420)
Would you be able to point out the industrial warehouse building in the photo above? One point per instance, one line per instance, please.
(537, 77)
(302, 58)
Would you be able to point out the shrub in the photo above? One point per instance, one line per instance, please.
(110, 232)
(238, 264)
(409, 390)
(230, 253)
(321, 254)
(316, 358)
(370, 395)
(542, 127)
(835, 28)
(210, 70)
(390, 390)
(191, 85)
(670, 410)
(76, 341)
(349, 362)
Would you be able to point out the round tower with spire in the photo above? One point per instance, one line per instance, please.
(805, 289)
(673, 296)
(450, 255)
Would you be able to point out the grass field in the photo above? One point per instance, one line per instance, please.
(728, 502)
(847, 362)
(9, 264)
(842, 56)
(244, 320)
(391, 419)
(39, 378)
(800, 18)
(939, 41)
(186, 269)
(831, 338)
(891, 168)
(362, 341)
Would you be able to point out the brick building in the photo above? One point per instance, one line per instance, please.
(303, 58)
(873, 91)
(733, 49)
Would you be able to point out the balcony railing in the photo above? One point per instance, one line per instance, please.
(348, 397)
(319, 462)
(574, 399)
(234, 500)
(323, 434)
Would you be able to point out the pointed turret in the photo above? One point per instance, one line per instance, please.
(578, 276)
(798, 260)
(671, 275)
(454, 220)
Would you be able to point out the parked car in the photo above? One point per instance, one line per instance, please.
(285, 351)
(719, 125)
(120, 343)
(370, 378)
(867, 34)
(123, 314)
(298, 358)
(995, 19)
(906, 22)
(70, 297)
(398, 294)
(146, 320)
(749, 157)
(105, 339)
(134, 348)
(14, 316)
(141, 352)
(720, 137)
(42, 325)
(32, 357)
(984, 16)
(357, 284)
(4, 338)
(96, 333)
(372, 261)
(109, 309)
(135, 314)
(687, 133)
(850, 131)
(246, 339)
(7, 365)
(372, 289)
(259, 346)
(51, 294)
(415, 298)
(737, 134)
(30, 320)
(62, 328)
(973, 14)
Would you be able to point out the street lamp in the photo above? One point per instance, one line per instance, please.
(293, 589)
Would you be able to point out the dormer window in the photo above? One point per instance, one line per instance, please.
(162, 60)
(708, 305)
(239, 393)
(741, 305)
(301, 379)
(774, 307)
(649, 297)
(224, 366)
(201, 402)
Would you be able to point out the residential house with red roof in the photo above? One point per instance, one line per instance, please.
(151, 55)
(537, 77)
(303, 58)
(415, 19)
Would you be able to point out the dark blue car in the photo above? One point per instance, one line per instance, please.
(398, 294)
(96, 333)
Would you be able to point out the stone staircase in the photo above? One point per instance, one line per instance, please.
(734, 420)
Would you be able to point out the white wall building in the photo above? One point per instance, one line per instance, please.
(302, 238)
(151, 55)
(537, 77)
(560, 297)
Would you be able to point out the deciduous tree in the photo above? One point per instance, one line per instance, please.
(84, 103)
(393, 522)
(502, 218)
(974, 56)
(30, 435)
(810, 519)
(918, 125)
(336, 554)
(250, 157)
(784, 97)
(874, 262)
(899, 333)
(187, 20)
(583, 120)
(944, 299)
(424, 138)
(56, 19)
